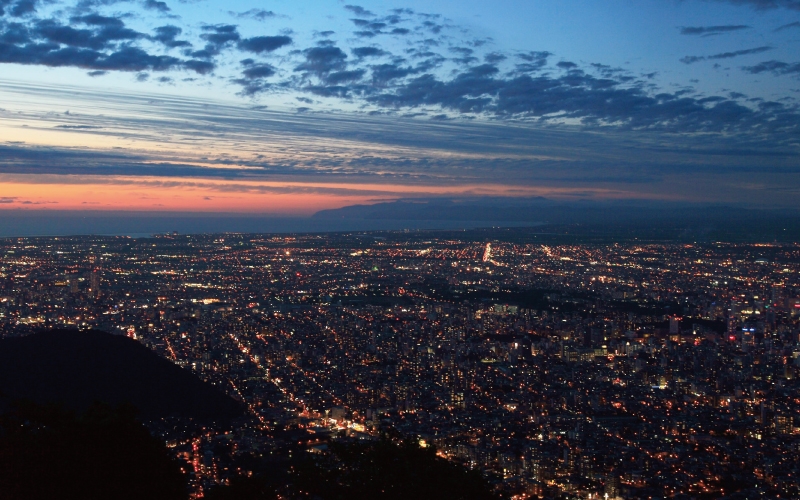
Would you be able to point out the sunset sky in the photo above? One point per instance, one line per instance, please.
(290, 107)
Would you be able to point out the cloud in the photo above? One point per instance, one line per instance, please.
(77, 127)
(321, 61)
(359, 11)
(464, 51)
(394, 151)
(22, 8)
(795, 24)
(95, 19)
(712, 30)
(365, 23)
(134, 59)
(432, 27)
(383, 74)
(252, 87)
(104, 45)
(101, 43)
(342, 77)
(368, 29)
(199, 67)
(737, 53)
(261, 44)
(692, 59)
(534, 61)
(725, 55)
(465, 54)
(156, 5)
(766, 4)
(259, 71)
(257, 14)
(494, 57)
(17, 8)
(218, 36)
(480, 42)
(363, 52)
(472, 82)
(253, 77)
(774, 67)
(386, 25)
(167, 36)
(102, 32)
(593, 101)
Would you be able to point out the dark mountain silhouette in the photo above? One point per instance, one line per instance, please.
(355, 471)
(47, 452)
(622, 219)
(545, 211)
(77, 368)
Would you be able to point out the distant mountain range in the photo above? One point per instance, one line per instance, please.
(624, 219)
(78, 368)
(545, 211)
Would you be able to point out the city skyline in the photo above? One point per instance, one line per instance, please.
(552, 369)
(291, 109)
(506, 250)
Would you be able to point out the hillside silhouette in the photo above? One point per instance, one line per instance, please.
(380, 469)
(104, 453)
(78, 368)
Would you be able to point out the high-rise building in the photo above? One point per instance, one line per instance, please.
(95, 266)
(612, 487)
(94, 282)
(674, 325)
(783, 424)
(675, 329)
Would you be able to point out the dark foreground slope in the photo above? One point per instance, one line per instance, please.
(380, 469)
(48, 453)
(76, 369)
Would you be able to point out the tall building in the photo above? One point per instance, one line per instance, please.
(95, 266)
(783, 424)
(612, 487)
(675, 329)
(94, 282)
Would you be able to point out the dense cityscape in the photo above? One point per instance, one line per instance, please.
(557, 370)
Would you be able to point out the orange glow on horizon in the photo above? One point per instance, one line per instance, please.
(213, 195)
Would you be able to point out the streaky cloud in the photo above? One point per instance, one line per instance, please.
(199, 139)
(712, 30)
(795, 24)
(726, 55)
(766, 4)
(774, 67)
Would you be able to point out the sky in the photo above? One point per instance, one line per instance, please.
(288, 108)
